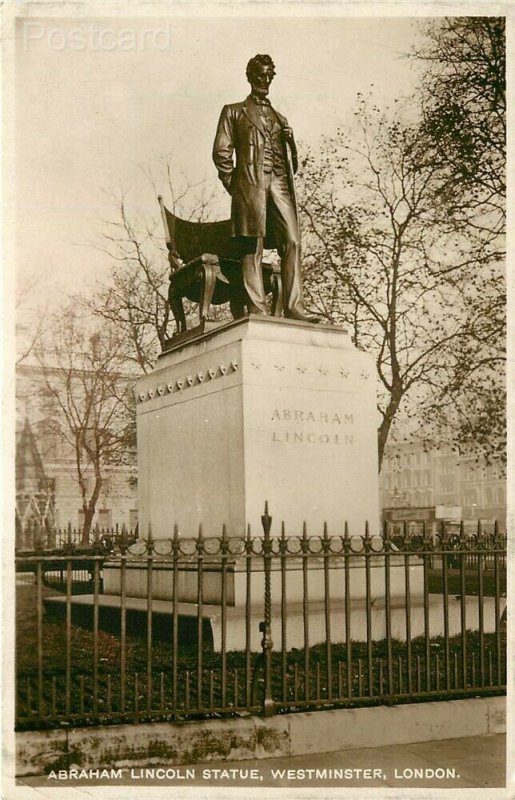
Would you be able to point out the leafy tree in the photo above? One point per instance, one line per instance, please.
(463, 131)
(383, 255)
(463, 101)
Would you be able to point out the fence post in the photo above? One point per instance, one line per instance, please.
(266, 626)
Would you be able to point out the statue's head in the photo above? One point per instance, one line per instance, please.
(260, 73)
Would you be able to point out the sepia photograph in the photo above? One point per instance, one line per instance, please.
(256, 466)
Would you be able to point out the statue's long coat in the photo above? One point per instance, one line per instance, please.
(240, 131)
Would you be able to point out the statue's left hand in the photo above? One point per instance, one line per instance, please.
(288, 137)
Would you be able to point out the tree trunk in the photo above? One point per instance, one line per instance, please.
(384, 429)
(89, 513)
(90, 507)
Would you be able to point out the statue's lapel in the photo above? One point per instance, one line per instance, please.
(283, 122)
(251, 110)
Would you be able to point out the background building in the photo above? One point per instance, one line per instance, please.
(415, 476)
(46, 474)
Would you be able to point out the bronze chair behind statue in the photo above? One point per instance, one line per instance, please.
(205, 266)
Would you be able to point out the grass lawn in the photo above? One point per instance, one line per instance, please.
(471, 582)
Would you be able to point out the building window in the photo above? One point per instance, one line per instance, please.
(104, 518)
(471, 497)
(447, 483)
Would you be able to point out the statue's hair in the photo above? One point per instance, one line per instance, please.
(259, 59)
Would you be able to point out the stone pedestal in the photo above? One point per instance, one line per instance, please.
(258, 409)
(236, 580)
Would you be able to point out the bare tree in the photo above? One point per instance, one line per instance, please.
(29, 321)
(134, 299)
(84, 380)
(384, 256)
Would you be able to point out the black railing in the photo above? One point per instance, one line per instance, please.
(35, 537)
(191, 628)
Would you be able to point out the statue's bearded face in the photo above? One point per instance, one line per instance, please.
(261, 78)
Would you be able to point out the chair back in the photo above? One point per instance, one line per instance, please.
(189, 240)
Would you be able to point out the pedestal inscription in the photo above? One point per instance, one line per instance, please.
(260, 409)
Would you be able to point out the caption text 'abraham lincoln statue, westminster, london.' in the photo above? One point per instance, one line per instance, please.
(261, 186)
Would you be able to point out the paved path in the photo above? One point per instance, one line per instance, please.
(452, 763)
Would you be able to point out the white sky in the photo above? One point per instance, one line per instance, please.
(96, 100)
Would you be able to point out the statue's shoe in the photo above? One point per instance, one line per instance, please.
(302, 317)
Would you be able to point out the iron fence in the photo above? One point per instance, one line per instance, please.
(461, 543)
(39, 537)
(201, 627)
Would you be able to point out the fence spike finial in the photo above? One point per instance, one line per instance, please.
(123, 539)
(266, 521)
(386, 530)
(150, 540)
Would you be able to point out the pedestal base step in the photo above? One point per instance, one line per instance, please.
(237, 620)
